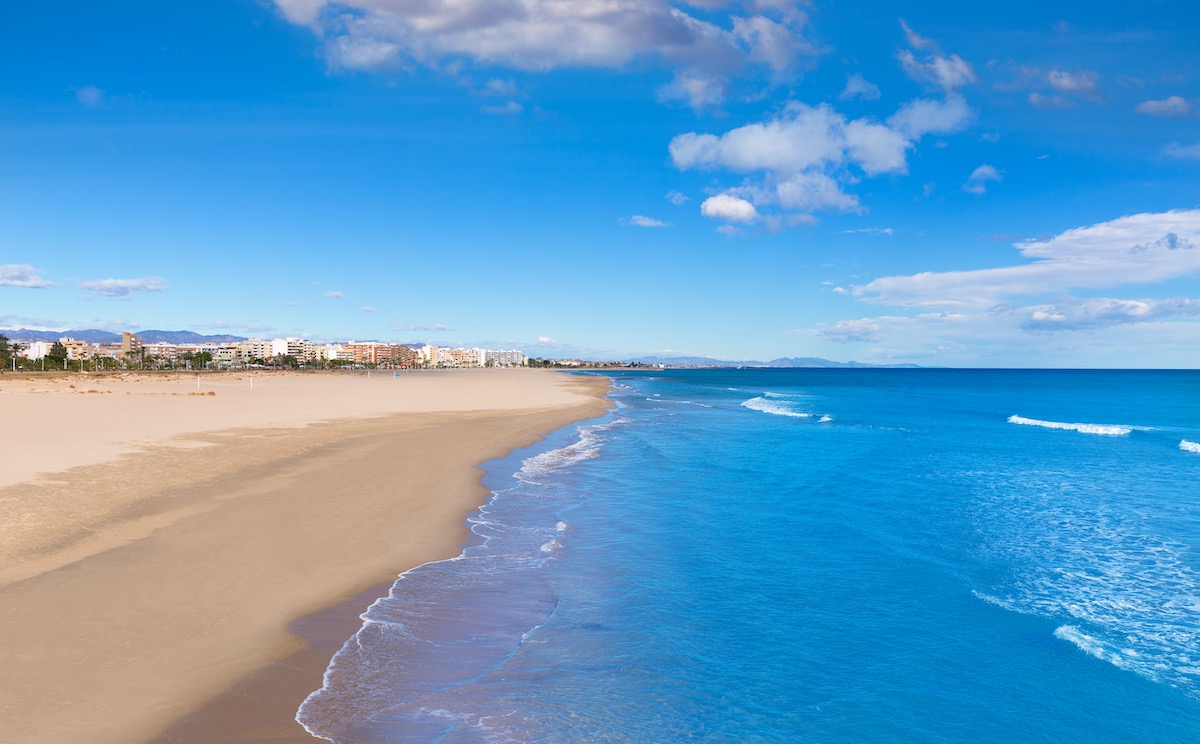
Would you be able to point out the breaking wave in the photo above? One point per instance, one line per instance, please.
(1112, 430)
(1187, 446)
(775, 408)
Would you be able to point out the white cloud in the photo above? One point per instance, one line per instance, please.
(804, 154)
(1183, 152)
(334, 295)
(545, 34)
(978, 180)
(21, 275)
(1173, 106)
(729, 208)
(677, 198)
(546, 340)
(1135, 250)
(123, 289)
(925, 116)
(859, 87)
(288, 303)
(640, 220)
(368, 309)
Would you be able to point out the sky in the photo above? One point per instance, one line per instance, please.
(946, 184)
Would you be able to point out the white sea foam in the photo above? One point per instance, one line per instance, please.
(1093, 647)
(681, 402)
(1080, 554)
(1187, 446)
(1102, 429)
(587, 448)
(825, 419)
(765, 405)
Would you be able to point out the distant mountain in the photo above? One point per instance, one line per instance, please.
(91, 336)
(94, 336)
(184, 337)
(690, 361)
(825, 363)
(788, 362)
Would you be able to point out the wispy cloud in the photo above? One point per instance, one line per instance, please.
(1172, 106)
(21, 275)
(1139, 249)
(641, 220)
(123, 289)
(935, 69)
(1183, 152)
(858, 87)
(677, 198)
(978, 180)
(368, 309)
(427, 327)
(89, 95)
(698, 91)
(509, 108)
(870, 231)
(335, 295)
(288, 303)
(1103, 312)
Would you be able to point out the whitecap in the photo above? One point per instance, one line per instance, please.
(825, 419)
(764, 405)
(1187, 446)
(1102, 429)
(1094, 647)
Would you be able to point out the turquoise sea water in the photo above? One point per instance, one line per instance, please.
(813, 556)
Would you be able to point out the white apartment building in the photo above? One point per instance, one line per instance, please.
(38, 350)
(504, 358)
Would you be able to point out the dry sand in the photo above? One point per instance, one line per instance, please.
(157, 548)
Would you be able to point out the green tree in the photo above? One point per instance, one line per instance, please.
(201, 359)
(57, 355)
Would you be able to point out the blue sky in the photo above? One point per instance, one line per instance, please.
(945, 184)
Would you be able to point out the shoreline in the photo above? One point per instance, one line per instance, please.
(197, 611)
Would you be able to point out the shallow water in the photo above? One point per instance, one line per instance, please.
(813, 555)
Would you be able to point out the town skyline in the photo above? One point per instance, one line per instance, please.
(737, 179)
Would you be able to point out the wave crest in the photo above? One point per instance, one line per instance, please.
(1111, 430)
(766, 405)
(1187, 446)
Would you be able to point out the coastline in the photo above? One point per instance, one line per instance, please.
(238, 561)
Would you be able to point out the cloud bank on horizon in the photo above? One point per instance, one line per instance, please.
(1007, 303)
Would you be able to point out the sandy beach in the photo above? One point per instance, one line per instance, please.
(180, 556)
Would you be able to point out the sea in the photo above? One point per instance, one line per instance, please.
(812, 555)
